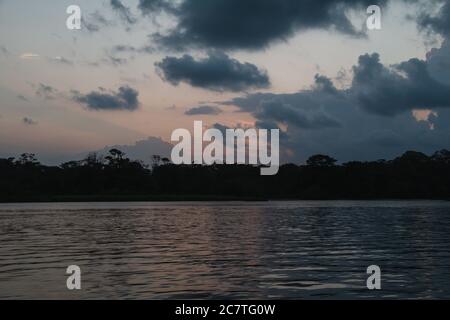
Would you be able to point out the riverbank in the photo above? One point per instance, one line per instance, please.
(178, 198)
(125, 198)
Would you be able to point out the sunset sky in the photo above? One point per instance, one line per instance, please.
(143, 68)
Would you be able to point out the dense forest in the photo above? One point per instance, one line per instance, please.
(117, 178)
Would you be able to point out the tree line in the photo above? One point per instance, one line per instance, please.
(413, 175)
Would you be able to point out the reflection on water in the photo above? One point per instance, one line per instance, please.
(225, 250)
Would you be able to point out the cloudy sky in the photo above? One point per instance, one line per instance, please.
(142, 68)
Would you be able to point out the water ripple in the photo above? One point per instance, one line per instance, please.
(225, 250)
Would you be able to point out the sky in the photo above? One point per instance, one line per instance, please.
(139, 69)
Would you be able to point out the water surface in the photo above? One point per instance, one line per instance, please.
(290, 250)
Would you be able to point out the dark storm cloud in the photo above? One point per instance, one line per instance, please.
(123, 11)
(373, 118)
(203, 110)
(303, 109)
(438, 62)
(125, 98)
(388, 92)
(290, 115)
(438, 23)
(217, 72)
(251, 24)
(29, 121)
(376, 88)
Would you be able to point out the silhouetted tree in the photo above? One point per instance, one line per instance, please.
(442, 156)
(413, 157)
(165, 161)
(412, 175)
(116, 158)
(27, 159)
(156, 161)
(320, 160)
(93, 160)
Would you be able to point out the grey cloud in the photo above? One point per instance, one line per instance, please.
(123, 48)
(149, 7)
(116, 53)
(114, 61)
(251, 24)
(438, 23)
(324, 84)
(409, 85)
(95, 21)
(61, 60)
(256, 24)
(289, 114)
(303, 109)
(123, 11)
(4, 51)
(132, 49)
(125, 98)
(372, 119)
(203, 110)
(269, 125)
(438, 63)
(22, 97)
(217, 72)
(46, 91)
(388, 92)
(108, 60)
(29, 121)
(222, 128)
